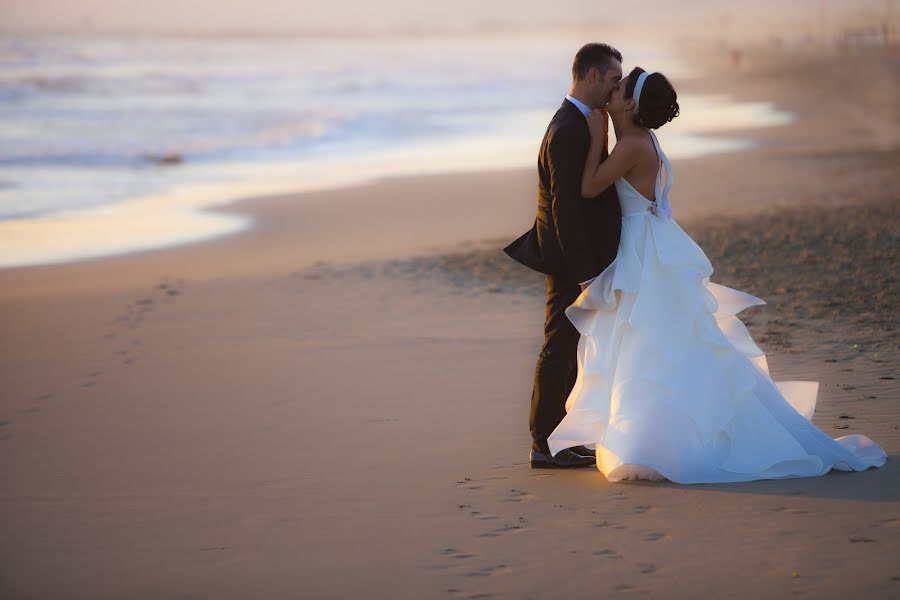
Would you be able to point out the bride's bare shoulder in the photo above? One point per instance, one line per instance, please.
(637, 144)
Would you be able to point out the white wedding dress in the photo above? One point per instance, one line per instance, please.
(670, 383)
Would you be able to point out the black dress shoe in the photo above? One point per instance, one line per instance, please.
(564, 459)
(583, 450)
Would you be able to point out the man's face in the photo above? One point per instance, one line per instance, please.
(605, 83)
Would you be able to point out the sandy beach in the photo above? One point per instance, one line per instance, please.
(334, 404)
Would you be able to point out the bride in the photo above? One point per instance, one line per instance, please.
(670, 384)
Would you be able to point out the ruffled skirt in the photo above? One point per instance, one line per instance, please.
(670, 383)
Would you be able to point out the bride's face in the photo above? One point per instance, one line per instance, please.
(617, 101)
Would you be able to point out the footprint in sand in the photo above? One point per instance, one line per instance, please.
(488, 517)
(134, 312)
(92, 378)
(606, 552)
(475, 596)
(467, 484)
(128, 354)
(642, 508)
(146, 304)
(481, 517)
(509, 528)
(513, 466)
(516, 496)
(32, 409)
(456, 554)
(623, 587)
(504, 530)
(486, 571)
(43, 397)
(647, 568)
(168, 289)
(654, 536)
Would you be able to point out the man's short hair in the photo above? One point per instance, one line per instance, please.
(597, 55)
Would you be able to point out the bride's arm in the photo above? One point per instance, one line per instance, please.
(598, 176)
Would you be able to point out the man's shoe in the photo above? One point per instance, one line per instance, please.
(583, 450)
(564, 459)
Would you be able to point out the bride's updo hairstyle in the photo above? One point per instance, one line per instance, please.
(658, 103)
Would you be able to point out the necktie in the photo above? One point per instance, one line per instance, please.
(606, 136)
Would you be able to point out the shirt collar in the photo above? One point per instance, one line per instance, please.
(581, 106)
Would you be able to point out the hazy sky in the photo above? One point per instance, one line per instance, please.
(217, 15)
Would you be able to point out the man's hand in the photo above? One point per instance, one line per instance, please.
(597, 121)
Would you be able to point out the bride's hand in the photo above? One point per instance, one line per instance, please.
(596, 120)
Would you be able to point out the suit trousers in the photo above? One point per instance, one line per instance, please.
(557, 364)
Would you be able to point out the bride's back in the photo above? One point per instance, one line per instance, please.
(642, 176)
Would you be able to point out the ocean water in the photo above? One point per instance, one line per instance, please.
(114, 143)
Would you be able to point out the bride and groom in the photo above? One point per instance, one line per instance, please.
(645, 371)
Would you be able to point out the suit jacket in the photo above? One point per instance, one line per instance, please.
(572, 237)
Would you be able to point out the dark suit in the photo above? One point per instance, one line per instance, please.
(573, 239)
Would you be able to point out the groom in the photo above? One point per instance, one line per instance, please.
(572, 241)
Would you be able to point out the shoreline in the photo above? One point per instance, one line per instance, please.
(182, 218)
